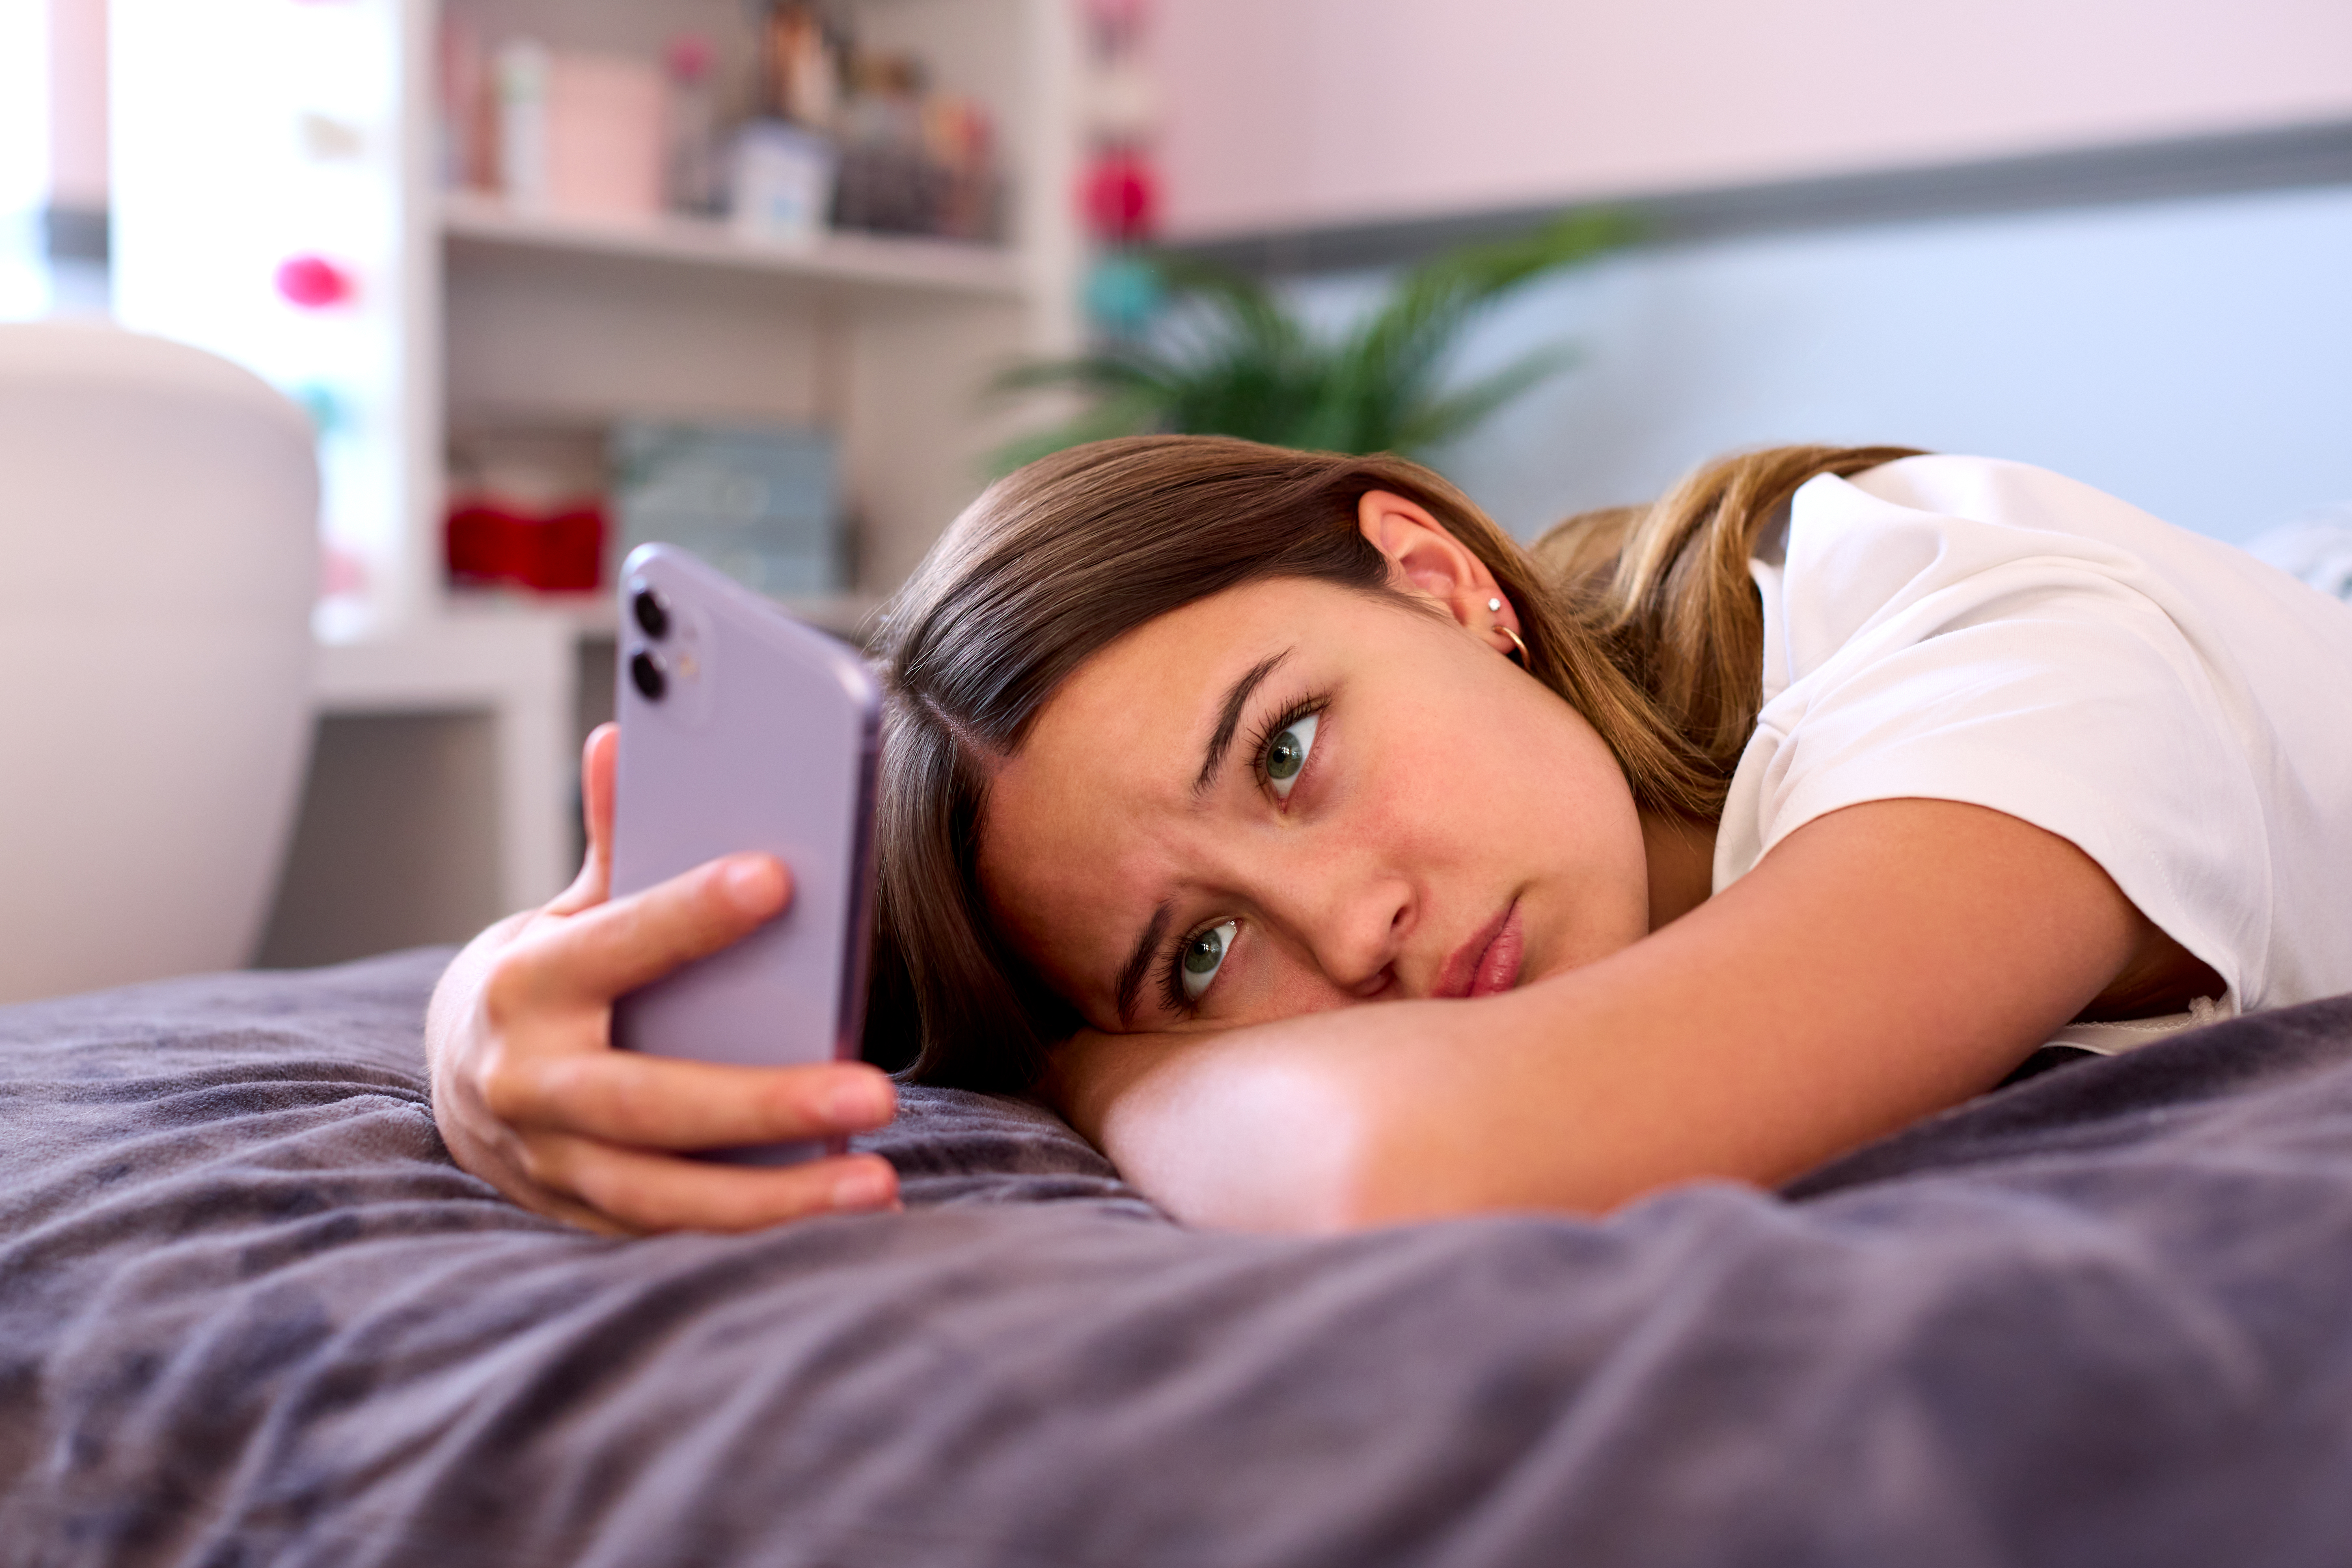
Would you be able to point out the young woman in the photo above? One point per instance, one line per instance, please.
(1711, 838)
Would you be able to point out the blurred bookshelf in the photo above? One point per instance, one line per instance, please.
(253, 135)
(879, 265)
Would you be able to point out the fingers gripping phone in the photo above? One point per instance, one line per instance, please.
(743, 730)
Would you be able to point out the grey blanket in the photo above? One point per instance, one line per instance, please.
(250, 1313)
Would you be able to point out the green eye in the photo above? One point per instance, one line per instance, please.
(1286, 753)
(1203, 955)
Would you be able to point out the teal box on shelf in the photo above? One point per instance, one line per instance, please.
(762, 503)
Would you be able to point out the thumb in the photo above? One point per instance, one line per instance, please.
(594, 884)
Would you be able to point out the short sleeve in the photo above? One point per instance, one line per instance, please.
(2034, 671)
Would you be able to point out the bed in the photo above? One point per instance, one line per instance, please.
(249, 1312)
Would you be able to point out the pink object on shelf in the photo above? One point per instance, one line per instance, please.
(313, 282)
(1124, 15)
(690, 57)
(604, 122)
(1121, 197)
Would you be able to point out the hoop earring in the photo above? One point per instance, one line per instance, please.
(1518, 649)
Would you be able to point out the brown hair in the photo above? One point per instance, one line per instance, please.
(1645, 619)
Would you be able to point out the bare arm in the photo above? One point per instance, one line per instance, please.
(1881, 963)
(530, 1096)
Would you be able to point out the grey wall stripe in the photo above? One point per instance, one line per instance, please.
(2300, 155)
(75, 234)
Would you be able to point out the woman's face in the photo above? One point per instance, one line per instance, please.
(1292, 795)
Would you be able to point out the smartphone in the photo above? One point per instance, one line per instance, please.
(742, 729)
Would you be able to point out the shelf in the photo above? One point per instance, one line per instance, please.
(856, 261)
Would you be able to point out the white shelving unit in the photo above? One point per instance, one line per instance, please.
(853, 265)
(249, 131)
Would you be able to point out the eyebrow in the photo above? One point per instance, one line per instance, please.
(1212, 761)
(1229, 719)
(1130, 979)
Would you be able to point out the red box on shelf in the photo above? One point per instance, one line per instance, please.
(491, 544)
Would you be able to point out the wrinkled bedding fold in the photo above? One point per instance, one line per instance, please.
(250, 1313)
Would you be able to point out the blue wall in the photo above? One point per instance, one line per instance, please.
(2193, 356)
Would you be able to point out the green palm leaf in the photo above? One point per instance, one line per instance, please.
(1436, 420)
(1230, 360)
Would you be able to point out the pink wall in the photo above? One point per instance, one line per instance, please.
(1289, 113)
(77, 102)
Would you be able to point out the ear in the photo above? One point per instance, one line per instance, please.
(1426, 561)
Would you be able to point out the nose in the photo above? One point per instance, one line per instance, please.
(1349, 914)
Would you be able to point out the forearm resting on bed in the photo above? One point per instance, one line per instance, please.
(1884, 962)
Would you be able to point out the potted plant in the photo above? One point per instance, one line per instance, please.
(1225, 357)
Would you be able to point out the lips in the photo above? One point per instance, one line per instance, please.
(1487, 962)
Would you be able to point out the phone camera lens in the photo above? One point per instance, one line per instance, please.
(646, 674)
(651, 613)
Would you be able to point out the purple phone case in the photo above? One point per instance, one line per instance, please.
(763, 738)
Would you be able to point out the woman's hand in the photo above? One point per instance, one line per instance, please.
(530, 1096)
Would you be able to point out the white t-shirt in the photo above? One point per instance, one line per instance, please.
(1957, 628)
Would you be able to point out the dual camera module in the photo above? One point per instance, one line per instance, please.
(645, 671)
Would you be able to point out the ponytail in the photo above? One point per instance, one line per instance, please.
(1665, 590)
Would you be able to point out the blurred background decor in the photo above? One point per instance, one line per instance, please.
(553, 276)
(2315, 548)
(1119, 191)
(158, 512)
(785, 114)
(1226, 355)
(762, 504)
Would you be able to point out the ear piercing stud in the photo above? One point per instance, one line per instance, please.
(1518, 649)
